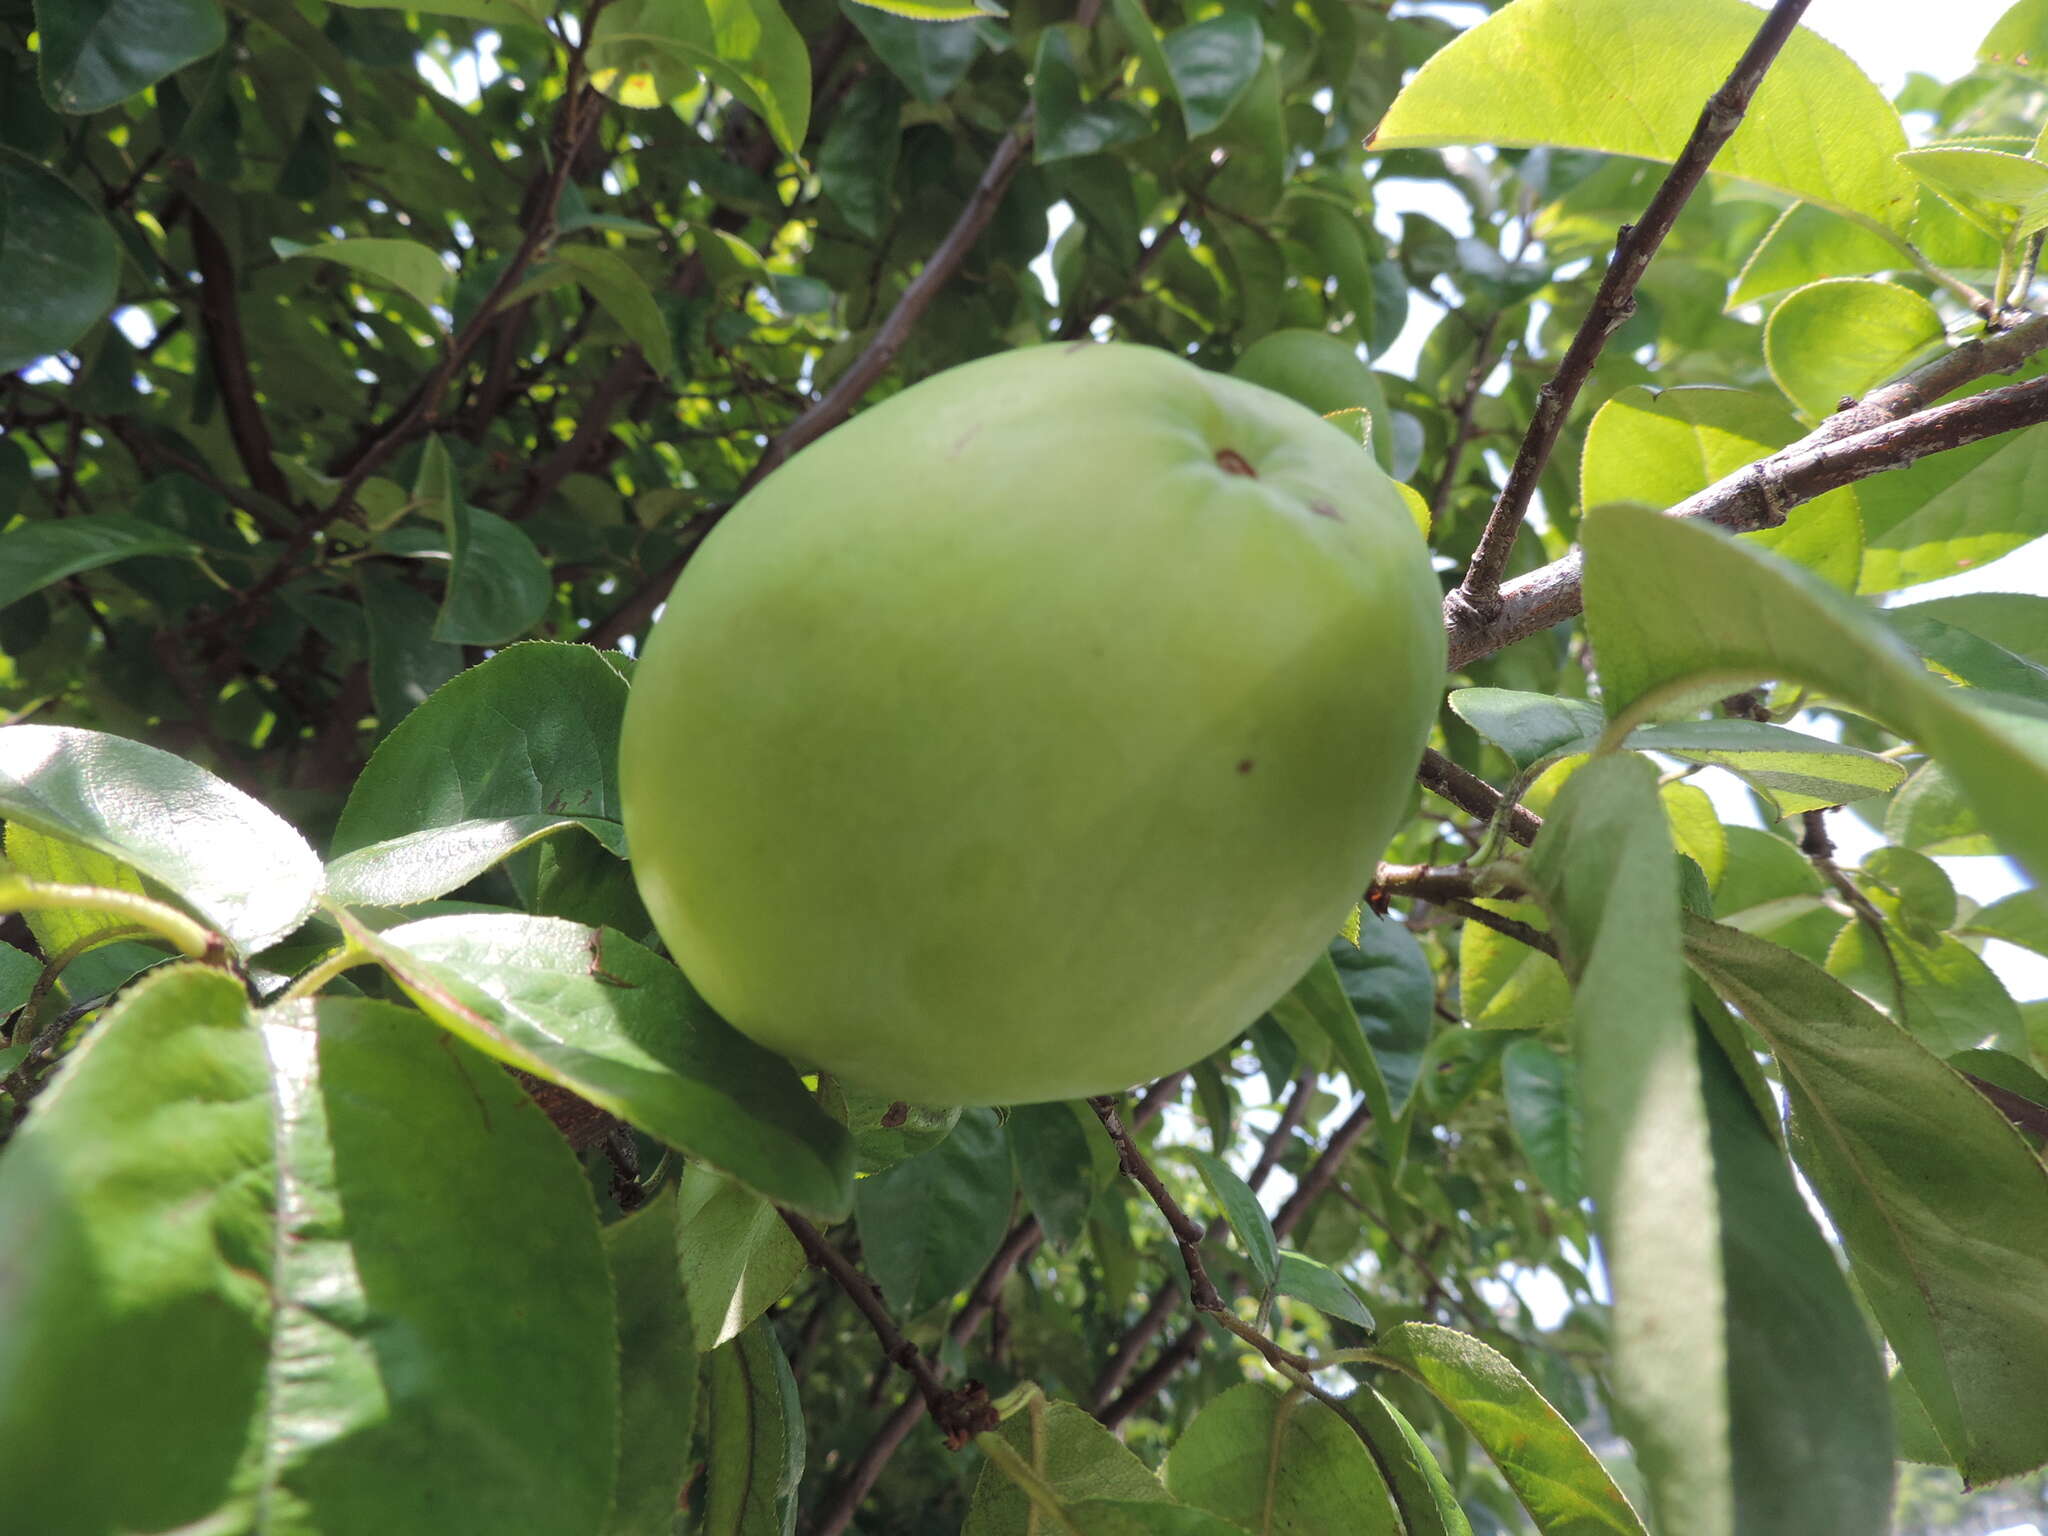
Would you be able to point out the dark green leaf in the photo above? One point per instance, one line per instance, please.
(1529, 727)
(58, 263)
(738, 1258)
(657, 1370)
(643, 53)
(1269, 1462)
(1387, 978)
(1073, 1456)
(534, 731)
(618, 1025)
(929, 60)
(98, 53)
(755, 1444)
(1055, 1161)
(1212, 63)
(37, 554)
(1322, 1288)
(1942, 1206)
(857, 162)
(1246, 1216)
(1541, 1089)
(1070, 126)
(406, 662)
(927, 1226)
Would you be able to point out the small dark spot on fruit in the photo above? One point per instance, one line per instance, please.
(1244, 765)
(1235, 463)
(960, 443)
(1079, 346)
(1324, 509)
(895, 1115)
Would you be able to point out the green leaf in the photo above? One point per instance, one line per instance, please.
(1967, 658)
(1953, 511)
(413, 269)
(98, 53)
(1657, 447)
(1503, 983)
(928, 10)
(1628, 79)
(1672, 605)
(1810, 1423)
(1993, 186)
(1422, 1494)
(1212, 63)
(1559, 1481)
(1055, 1159)
(495, 13)
(1067, 125)
(36, 555)
(1268, 1462)
(18, 973)
(1530, 728)
(644, 53)
(1806, 243)
(2021, 918)
(2015, 622)
(929, 60)
(1246, 1216)
(1953, 1002)
(498, 584)
(754, 1445)
(406, 662)
(1321, 1287)
(927, 1226)
(618, 1025)
(423, 865)
(624, 295)
(1940, 1203)
(1929, 813)
(1541, 1087)
(1074, 1456)
(58, 263)
(262, 1297)
(1835, 339)
(532, 732)
(857, 161)
(240, 867)
(1386, 978)
(657, 1370)
(2019, 37)
(1603, 866)
(1790, 770)
(738, 1258)
(886, 1131)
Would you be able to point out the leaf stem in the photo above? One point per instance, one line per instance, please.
(167, 922)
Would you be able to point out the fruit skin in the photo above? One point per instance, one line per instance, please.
(1006, 744)
(1326, 374)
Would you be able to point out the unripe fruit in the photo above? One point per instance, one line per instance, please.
(1318, 370)
(1029, 735)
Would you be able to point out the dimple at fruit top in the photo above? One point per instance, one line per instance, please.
(1029, 735)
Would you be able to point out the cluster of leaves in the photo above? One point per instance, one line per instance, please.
(352, 343)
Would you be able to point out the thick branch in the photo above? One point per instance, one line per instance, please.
(1473, 795)
(1613, 304)
(228, 350)
(1759, 495)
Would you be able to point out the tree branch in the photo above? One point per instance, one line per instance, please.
(1023, 1240)
(961, 1414)
(846, 391)
(1760, 494)
(1479, 593)
(220, 316)
(1473, 795)
(1186, 1230)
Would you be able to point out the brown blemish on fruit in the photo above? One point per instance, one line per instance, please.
(1324, 509)
(1078, 346)
(960, 443)
(1235, 463)
(1244, 765)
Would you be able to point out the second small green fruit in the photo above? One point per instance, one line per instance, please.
(1028, 736)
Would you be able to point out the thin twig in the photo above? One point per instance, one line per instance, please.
(838, 1511)
(960, 1414)
(1186, 1230)
(1461, 434)
(1479, 592)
